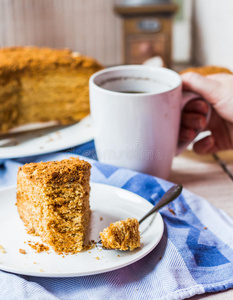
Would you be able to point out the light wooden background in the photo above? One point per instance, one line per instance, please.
(89, 27)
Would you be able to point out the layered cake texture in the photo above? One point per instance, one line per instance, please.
(43, 84)
(53, 202)
(121, 235)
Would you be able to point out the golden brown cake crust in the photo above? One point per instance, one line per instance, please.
(34, 59)
(56, 172)
(207, 70)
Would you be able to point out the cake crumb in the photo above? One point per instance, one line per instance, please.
(22, 251)
(50, 139)
(41, 270)
(97, 258)
(2, 250)
(171, 211)
(118, 255)
(58, 134)
(39, 247)
(30, 231)
(101, 219)
(205, 227)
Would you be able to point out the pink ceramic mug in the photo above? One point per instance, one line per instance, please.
(136, 113)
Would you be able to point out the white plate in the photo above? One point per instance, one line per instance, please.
(65, 138)
(107, 202)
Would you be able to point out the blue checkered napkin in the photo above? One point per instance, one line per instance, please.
(194, 256)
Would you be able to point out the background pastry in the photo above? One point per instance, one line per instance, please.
(43, 84)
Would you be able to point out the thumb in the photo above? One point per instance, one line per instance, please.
(201, 85)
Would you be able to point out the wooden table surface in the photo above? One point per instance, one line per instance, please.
(212, 178)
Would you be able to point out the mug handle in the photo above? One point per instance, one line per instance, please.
(187, 97)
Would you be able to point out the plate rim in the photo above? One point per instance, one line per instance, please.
(36, 152)
(88, 273)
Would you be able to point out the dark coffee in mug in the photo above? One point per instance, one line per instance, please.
(135, 84)
(132, 92)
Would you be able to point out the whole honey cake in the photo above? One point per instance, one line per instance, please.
(43, 84)
(53, 202)
(121, 235)
(207, 70)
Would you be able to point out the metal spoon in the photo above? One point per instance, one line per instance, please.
(168, 197)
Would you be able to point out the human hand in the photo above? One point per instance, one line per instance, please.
(216, 89)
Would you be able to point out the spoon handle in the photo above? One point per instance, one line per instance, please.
(168, 197)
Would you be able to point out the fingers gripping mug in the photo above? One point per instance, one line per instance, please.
(136, 113)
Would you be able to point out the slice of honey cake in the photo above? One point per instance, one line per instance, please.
(53, 202)
(121, 235)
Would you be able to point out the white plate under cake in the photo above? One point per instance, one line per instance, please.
(108, 204)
